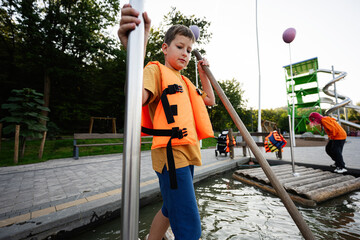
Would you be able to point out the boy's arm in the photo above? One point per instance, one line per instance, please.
(128, 22)
(209, 100)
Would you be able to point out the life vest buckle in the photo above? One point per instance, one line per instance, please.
(178, 133)
(171, 89)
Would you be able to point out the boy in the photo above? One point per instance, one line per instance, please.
(173, 105)
(337, 137)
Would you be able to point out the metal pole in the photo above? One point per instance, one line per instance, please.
(284, 196)
(132, 136)
(258, 54)
(292, 150)
(293, 100)
(346, 119)
(336, 97)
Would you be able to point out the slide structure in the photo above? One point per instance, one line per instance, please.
(343, 101)
(303, 91)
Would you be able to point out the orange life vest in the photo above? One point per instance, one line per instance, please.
(228, 143)
(181, 105)
(179, 119)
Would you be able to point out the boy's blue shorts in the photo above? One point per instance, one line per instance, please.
(179, 205)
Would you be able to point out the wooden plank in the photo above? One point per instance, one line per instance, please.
(295, 198)
(328, 192)
(243, 144)
(97, 135)
(261, 134)
(98, 144)
(304, 179)
(314, 185)
(259, 172)
(322, 183)
(289, 176)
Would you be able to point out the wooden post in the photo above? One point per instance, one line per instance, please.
(16, 145)
(114, 125)
(231, 143)
(0, 134)
(42, 145)
(91, 124)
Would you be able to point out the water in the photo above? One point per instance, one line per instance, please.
(232, 210)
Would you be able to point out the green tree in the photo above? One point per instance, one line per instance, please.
(278, 116)
(218, 114)
(56, 44)
(353, 114)
(25, 107)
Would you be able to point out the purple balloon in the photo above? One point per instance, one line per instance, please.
(196, 31)
(289, 35)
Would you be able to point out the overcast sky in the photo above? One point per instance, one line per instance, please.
(327, 29)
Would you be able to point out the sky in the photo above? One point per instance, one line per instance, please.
(326, 29)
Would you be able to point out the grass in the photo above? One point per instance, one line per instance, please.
(63, 148)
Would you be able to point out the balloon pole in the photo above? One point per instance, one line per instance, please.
(293, 101)
(258, 55)
(289, 36)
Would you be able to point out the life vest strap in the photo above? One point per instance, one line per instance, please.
(171, 89)
(175, 132)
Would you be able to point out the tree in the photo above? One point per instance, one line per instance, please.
(219, 116)
(25, 107)
(56, 41)
(353, 114)
(278, 115)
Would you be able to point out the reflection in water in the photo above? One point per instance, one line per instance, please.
(232, 210)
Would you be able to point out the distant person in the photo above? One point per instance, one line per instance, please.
(172, 103)
(337, 137)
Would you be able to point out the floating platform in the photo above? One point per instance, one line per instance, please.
(311, 187)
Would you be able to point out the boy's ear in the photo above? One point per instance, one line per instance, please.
(164, 48)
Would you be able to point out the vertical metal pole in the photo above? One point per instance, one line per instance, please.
(346, 119)
(293, 100)
(132, 136)
(336, 99)
(292, 149)
(257, 42)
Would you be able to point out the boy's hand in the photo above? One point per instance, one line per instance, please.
(203, 62)
(128, 22)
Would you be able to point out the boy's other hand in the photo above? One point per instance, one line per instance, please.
(128, 22)
(203, 62)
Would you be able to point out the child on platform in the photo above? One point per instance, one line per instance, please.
(337, 137)
(174, 112)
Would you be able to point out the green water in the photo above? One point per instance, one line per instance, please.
(232, 210)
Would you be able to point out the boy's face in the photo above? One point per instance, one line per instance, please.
(177, 55)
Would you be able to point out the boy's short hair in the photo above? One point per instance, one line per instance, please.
(178, 30)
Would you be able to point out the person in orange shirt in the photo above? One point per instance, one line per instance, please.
(337, 137)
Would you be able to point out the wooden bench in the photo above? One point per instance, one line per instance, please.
(244, 145)
(84, 136)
